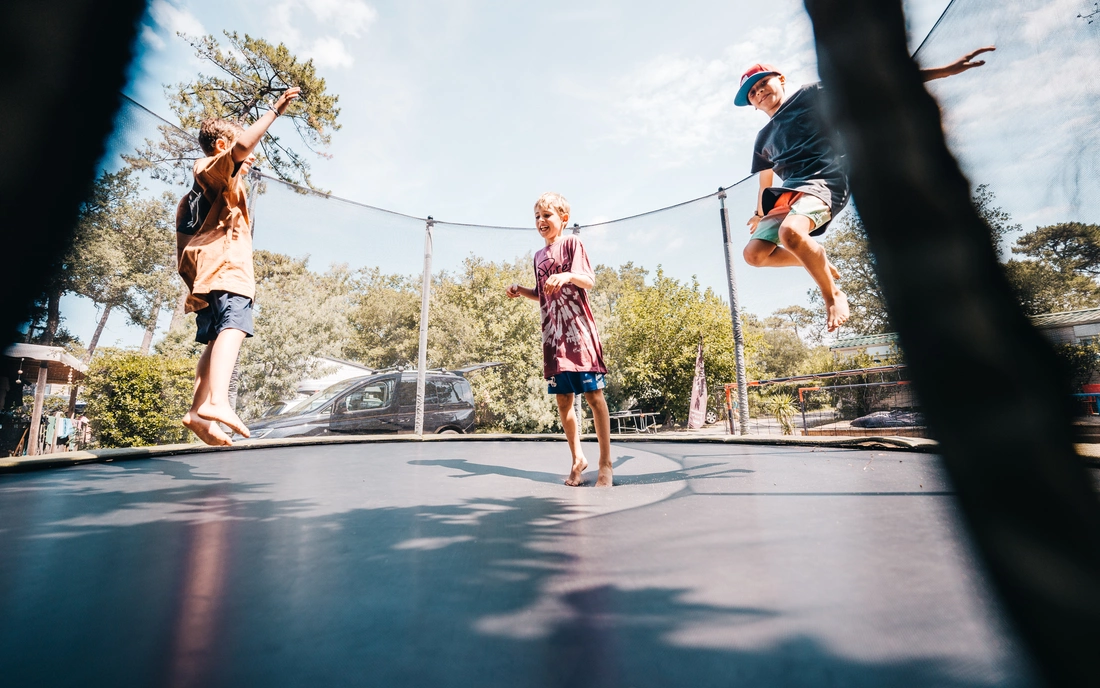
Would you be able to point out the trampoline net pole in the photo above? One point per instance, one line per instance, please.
(425, 299)
(735, 316)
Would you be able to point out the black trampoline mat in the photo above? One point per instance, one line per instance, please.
(471, 564)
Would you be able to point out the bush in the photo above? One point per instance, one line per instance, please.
(137, 400)
(1079, 361)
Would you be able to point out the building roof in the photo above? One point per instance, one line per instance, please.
(59, 362)
(866, 340)
(1087, 316)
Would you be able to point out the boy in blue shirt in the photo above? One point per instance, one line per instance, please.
(813, 186)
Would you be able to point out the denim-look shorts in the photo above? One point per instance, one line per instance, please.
(576, 383)
(226, 311)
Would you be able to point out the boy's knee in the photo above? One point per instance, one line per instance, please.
(754, 255)
(791, 237)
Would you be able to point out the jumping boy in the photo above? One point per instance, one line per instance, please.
(812, 186)
(571, 352)
(214, 254)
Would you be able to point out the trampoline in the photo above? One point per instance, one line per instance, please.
(459, 563)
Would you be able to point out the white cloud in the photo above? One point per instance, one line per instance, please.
(150, 37)
(349, 17)
(174, 19)
(331, 20)
(682, 106)
(329, 51)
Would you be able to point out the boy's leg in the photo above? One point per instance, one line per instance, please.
(223, 356)
(569, 425)
(602, 420)
(205, 430)
(795, 235)
(761, 253)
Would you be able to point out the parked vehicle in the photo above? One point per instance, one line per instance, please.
(375, 404)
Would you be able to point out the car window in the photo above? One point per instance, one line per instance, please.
(443, 392)
(373, 396)
(406, 393)
(462, 387)
(321, 398)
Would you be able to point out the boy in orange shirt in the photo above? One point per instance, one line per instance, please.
(214, 254)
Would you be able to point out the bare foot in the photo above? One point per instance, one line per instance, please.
(206, 430)
(837, 311)
(575, 478)
(604, 479)
(832, 269)
(225, 416)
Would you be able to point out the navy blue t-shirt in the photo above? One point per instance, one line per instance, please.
(796, 145)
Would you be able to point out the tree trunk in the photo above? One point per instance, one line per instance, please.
(179, 312)
(53, 317)
(98, 331)
(151, 327)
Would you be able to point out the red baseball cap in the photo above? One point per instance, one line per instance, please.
(748, 80)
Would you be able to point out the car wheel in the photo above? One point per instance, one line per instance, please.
(449, 431)
(712, 417)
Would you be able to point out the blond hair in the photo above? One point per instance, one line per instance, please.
(213, 129)
(553, 201)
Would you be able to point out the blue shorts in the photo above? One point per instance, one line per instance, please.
(575, 383)
(226, 311)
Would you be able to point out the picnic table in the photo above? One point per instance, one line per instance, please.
(634, 421)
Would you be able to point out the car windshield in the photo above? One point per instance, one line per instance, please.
(321, 398)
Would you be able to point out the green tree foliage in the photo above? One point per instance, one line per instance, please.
(249, 73)
(1081, 361)
(471, 321)
(998, 221)
(846, 246)
(298, 316)
(123, 256)
(136, 400)
(1057, 271)
(474, 322)
(651, 348)
(384, 320)
(782, 352)
(1059, 268)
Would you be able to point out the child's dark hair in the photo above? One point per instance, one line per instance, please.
(213, 129)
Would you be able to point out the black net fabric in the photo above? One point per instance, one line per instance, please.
(1026, 122)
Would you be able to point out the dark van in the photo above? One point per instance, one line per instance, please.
(374, 404)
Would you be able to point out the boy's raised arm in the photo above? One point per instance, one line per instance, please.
(959, 66)
(250, 137)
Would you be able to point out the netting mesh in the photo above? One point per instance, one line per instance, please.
(1026, 122)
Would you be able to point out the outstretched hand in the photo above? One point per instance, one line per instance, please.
(512, 291)
(288, 96)
(967, 61)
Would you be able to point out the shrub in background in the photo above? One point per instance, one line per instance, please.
(137, 400)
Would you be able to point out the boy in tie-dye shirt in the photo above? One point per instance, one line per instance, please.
(571, 352)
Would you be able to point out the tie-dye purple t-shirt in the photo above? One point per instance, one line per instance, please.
(570, 342)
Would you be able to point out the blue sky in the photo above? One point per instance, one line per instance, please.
(468, 110)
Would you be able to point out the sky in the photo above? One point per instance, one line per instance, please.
(467, 110)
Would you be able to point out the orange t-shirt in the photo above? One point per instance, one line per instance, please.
(218, 257)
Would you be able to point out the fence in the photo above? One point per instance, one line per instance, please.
(858, 402)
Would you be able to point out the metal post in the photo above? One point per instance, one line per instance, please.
(735, 314)
(729, 412)
(36, 412)
(578, 411)
(425, 299)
